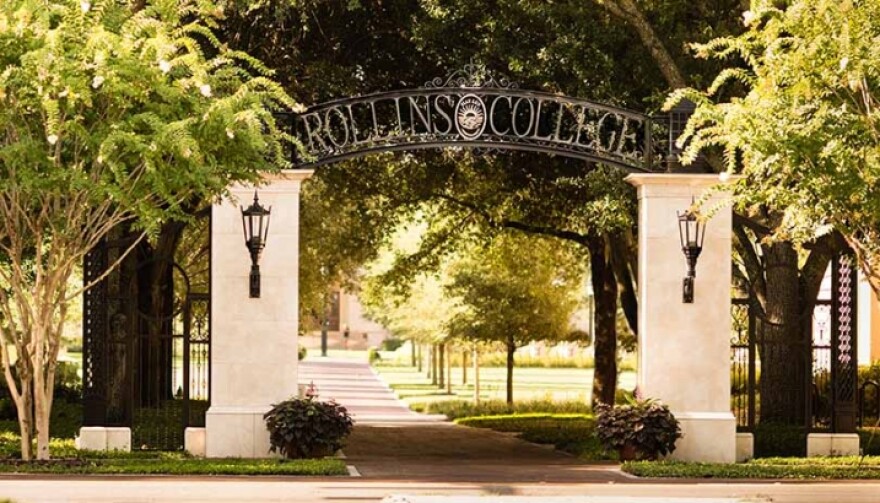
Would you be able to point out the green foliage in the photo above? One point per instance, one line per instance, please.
(773, 439)
(455, 409)
(141, 107)
(159, 427)
(805, 133)
(373, 355)
(646, 426)
(301, 353)
(304, 467)
(500, 303)
(392, 344)
(66, 419)
(307, 428)
(776, 468)
(869, 441)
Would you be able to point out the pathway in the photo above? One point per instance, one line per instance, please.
(391, 441)
(355, 385)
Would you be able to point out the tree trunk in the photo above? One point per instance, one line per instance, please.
(464, 366)
(448, 370)
(42, 412)
(412, 353)
(441, 380)
(419, 357)
(605, 313)
(629, 11)
(432, 363)
(25, 408)
(511, 349)
(629, 303)
(781, 340)
(476, 375)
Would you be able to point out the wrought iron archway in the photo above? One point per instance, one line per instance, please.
(471, 108)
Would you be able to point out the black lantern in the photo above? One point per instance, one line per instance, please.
(692, 232)
(255, 220)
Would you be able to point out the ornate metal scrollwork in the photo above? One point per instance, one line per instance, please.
(472, 75)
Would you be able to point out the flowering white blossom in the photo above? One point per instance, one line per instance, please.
(52, 139)
(165, 66)
(844, 62)
(97, 81)
(205, 89)
(748, 17)
(230, 133)
(85, 6)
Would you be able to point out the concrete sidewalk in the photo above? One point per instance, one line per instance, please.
(160, 489)
(356, 386)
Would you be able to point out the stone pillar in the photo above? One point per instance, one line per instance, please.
(684, 349)
(253, 341)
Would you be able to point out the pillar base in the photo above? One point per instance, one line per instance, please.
(236, 432)
(104, 438)
(707, 437)
(745, 447)
(194, 442)
(832, 444)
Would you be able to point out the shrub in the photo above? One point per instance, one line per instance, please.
(455, 409)
(301, 353)
(307, 428)
(643, 429)
(775, 439)
(392, 344)
(373, 355)
(869, 441)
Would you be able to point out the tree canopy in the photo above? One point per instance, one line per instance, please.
(805, 133)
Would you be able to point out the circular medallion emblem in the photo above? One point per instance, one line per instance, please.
(470, 117)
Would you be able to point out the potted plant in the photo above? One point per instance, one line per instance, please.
(307, 427)
(641, 429)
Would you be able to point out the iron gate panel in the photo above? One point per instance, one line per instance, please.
(831, 369)
(146, 335)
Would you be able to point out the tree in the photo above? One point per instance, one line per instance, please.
(111, 117)
(805, 134)
(516, 290)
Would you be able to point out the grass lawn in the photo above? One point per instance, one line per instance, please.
(69, 460)
(182, 466)
(557, 384)
(851, 467)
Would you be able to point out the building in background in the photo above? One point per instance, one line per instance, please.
(346, 316)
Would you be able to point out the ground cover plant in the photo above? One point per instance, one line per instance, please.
(183, 466)
(851, 467)
(70, 460)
